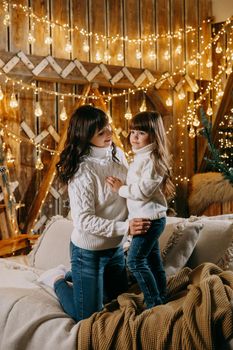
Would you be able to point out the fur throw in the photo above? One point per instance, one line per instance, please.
(208, 188)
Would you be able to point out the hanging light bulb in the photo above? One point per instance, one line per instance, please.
(167, 55)
(38, 111)
(68, 47)
(192, 133)
(196, 122)
(31, 38)
(229, 68)
(143, 107)
(178, 49)
(39, 164)
(138, 55)
(9, 156)
(107, 55)
(193, 62)
(169, 101)
(209, 111)
(86, 47)
(152, 55)
(1, 94)
(120, 57)
(181, 94)
(218, 48)
(98, 56)
(48, 40)
(13, 101)
(209, 63)
(63, 114)
(128, 114)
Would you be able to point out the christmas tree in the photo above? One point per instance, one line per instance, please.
(216, 159)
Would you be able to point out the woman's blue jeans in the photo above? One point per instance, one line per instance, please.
(145, 263)
(97, 276)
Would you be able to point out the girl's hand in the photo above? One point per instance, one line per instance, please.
(139, 226)
(114, 182)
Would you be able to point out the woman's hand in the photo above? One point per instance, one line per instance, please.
(114, 183)
(139, 226)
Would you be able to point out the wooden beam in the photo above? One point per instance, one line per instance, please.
(55, 73)
(49, 175)
(223, 107)
(12, 245)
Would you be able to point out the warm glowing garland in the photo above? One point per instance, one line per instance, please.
(98, 37)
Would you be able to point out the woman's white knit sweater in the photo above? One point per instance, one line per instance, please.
(143, 187)
(99, 215)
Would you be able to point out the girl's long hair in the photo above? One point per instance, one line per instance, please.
(152, 123)
(84, 122)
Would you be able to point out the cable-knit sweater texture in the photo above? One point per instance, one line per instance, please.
(99, 215)
(143, 189)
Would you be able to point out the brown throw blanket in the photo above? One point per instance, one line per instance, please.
(197, 316)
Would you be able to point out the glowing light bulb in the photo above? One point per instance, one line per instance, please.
(152, 55)
(48, 40)
(181, 94)
(68, 47)
(120, 57)
(86, 47)
(38, 111)
(107, 55)
(1, 94)
(192, 133)
(218, 48)
(39, 164)
(143, 106)
(31, 38)
(229, 69)
(167, 55)
(196, 122)
(178, 49)
(209, 63)
(169, 102)
(9, 156)
(193, 62)
(138, 55)
(98, 56)
(63, 114)
(209, 110)
(13, 101)
(128, 114)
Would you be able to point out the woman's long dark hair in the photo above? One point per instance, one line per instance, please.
(84, 122)
(152, 123)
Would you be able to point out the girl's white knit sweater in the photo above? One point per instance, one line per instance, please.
(143, 187)
(99, 215)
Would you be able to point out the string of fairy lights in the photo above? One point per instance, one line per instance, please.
(212, 93)
(227, 58)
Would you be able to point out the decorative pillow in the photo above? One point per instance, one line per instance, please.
(52, 248)
(169, 229)
(180, 245)
(214, 244)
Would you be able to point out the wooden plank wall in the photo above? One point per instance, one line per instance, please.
(131, 18)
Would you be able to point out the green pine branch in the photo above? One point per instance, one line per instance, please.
(215, 161)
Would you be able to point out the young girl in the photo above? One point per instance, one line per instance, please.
(147, 186)
(97, 259)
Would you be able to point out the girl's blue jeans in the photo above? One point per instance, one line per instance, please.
(145, 263)
(97, 276)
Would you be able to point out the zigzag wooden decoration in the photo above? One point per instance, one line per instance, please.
(102, 74)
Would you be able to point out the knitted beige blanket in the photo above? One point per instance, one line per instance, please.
(198, 316)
